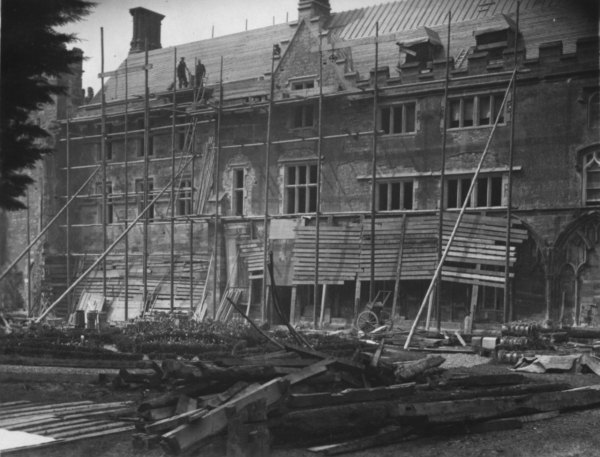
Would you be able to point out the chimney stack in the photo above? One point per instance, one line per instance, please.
(308, 9)
(146, 24)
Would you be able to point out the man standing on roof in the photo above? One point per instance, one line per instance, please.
(182, 71)
(200, 72)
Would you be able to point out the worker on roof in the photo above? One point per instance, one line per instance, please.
(200, 72)
(182, 71)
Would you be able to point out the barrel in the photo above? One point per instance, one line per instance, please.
(102, 320)
(80, 318)
(91, 320)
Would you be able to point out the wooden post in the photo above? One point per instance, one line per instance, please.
(318, 209)
(173, 190)
(265, 293)
(510, 167)
(126, 172)
(146, 165)
(442, 177)
(473, 308)
(103, 154)
(356, 297)
(323, 304)
(374, 167)
(293, 305)
(399, 268)
(29, 241)
(216, 191)
(549, 282)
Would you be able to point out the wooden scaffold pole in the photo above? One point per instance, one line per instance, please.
(507, 304)
(103, 153)
(374, 166)
(172, 253)
(126, 172)
(216, 191)
(145, 191)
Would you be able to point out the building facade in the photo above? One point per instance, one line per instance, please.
(307, 88)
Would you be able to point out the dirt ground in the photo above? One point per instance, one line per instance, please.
(572, 434)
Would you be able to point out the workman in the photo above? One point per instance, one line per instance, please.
(200, 72)
(182, 71)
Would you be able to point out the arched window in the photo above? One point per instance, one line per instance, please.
(594, 110)
(591, 180)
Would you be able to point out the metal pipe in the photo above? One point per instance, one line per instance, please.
(110, 248)
(172, 295)
(146, 164)
(318, 209)
(266, 217)
(442, 177)
(45, 229)
(460, 215)
(103, 152)
(216, 187)
(126, 195)
(510, 165)
(374, 168)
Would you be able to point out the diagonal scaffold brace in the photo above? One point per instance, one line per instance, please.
(438, 270)
(115, 243)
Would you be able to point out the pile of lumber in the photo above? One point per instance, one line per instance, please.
(65, 422)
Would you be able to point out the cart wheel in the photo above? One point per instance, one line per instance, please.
(367, 321)
(386, 319)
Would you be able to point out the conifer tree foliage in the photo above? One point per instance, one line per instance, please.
(32, 53)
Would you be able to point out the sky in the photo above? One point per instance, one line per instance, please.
(185, 21)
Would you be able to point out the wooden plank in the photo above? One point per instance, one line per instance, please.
(342, 364)
(279, 362)
(350, 396)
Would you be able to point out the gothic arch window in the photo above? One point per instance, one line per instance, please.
(591, 178)
(594, 110)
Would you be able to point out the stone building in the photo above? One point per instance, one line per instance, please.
(555, 244)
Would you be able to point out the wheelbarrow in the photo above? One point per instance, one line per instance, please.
(374, 314)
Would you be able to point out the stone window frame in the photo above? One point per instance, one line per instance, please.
(389, 191)
(183, 199)
(303, 124)
(297, 186)
(238, 194)
(594, 110)
(462, 187)
(393, 107)
(495, 98)
(591, 160)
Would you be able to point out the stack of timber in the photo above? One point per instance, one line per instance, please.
(301, 397)
(225, 310)
(65, 422)
(339, 254)
(208, 398)
(388, 237)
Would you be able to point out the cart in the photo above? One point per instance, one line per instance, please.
(374, 315)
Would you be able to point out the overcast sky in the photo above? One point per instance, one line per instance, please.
(186, 21)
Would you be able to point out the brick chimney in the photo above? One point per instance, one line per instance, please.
(308, 9)
(146, 24)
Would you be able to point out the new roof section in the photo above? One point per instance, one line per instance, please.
(247, 55)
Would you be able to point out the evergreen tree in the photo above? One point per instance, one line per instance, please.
(32, 51)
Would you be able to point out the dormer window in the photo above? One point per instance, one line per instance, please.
(420, 51)
(495, 38)
(303, 85)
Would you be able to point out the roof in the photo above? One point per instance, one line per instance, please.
(247, 55)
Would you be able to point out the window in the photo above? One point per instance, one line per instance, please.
(303, 85)
(303, 116)
(591, 168)
(487, 192)
(475, 111)
(594, 110)
(301, 189)
(184, 198)
(395, 196)
(237, 192)
(398, 119)
(139, 189)
(181, 141)
(109, 203)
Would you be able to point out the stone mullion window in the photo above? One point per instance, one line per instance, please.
(475, 111)
(486, 194)
(398, 119)
(237, 192)
(184, 198)
(300, 189)
(591, 169)
(139, 190)
(395, 196)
